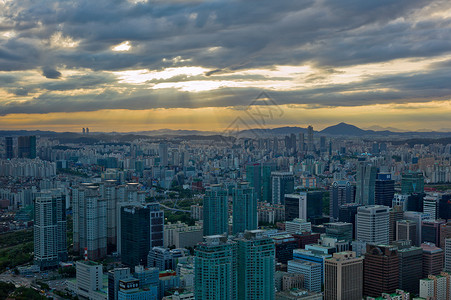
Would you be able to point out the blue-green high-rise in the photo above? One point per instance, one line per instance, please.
(215, 211)
(244, 208)
(256, 266)
(215, 269)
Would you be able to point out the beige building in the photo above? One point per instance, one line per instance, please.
(343, 276)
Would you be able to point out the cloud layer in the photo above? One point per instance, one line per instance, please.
(76, 56)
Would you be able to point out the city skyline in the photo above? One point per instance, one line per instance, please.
(147, 65)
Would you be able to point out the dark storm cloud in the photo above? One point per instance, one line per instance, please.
(51, 73)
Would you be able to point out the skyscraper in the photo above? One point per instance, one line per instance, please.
(254, 177)
(311, 272)
(366, 183)
(395, 214)
(282, 183)
(380, 270)
(430, 206)
(339, 230)
(341, 192)
(301, 142)
(256, 266)
(9, 149)
(26, 146)
(372, 224)
(215, 268)
(310, 144)
(343, 277)
(347, 213)
(244, 208)
(430, 231)
(141, 230)
(418, 218)
(384, 189)
(215, 211)
(90, 221)
(108, 192)
(412, 183)
(163, 154)
(50, 246)
(447, 255)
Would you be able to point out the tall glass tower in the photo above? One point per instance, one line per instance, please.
(244, 208)
(215, 211)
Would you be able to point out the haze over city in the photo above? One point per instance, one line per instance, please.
(146, 65)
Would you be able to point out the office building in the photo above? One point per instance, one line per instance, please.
(129, 290)
(433, 259)
(113, 281)
(380, 270)
(311, 272)
(406, 230)
(215, 211)
(412, 183)
(447, 248)
(282, 183)
(430, 231)
(445, 233)
(284, 246)
(395, 214)
(418, 218)
(295, 206)
(410, 265)
(372, 224)
(141, 230)
(163, 154)
(415, 202)
(431, 205)
(314, 253)
(444, 209)
(384, 189)
(310, 144)
(90, 221)
(215, 268)
(298, 226)
(244, 208)
(400, 200)
(89, 281)
(164, 259)
(26, 147)
(343, 277)
(256, 266)
(365, 183)
(50, 244)
(339, 230)
(347, 213)
(315, 206)
(341, 192)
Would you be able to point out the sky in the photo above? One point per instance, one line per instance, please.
(114, 65)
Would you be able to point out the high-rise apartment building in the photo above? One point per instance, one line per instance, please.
(254, 177)
(108, 192)
(282, 183)
(310, 143)
(365, 184)
(163, 154)
(384, 189)
(244, 208)
(141, 230)
(435, 287)
(255, 266)
(380, 270)
(343, 277)
(215, 265)
(50, 246)
(90, 221)
(372, 224)
(215, 211)
(341, 192)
